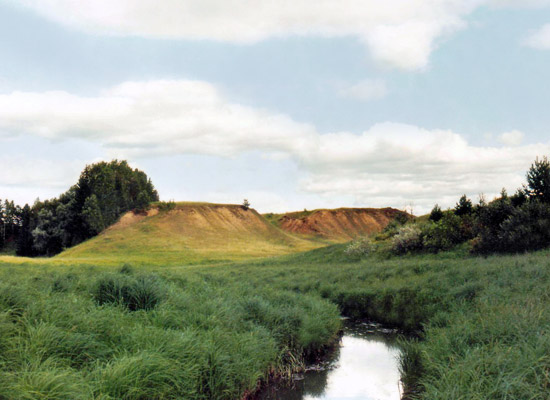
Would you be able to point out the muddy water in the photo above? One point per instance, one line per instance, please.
(364, 367)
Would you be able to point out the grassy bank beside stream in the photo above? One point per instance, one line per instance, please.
(212, 332)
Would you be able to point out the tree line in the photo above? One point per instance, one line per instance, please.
(104, 191)
(508, 224)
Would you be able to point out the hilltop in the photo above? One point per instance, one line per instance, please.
(189, 233)
(337, 225)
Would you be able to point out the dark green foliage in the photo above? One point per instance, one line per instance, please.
(103, 193)
(488, 227)
(436, 214)
(117, 187)
(516, 223)
(10, 223)
(538, 180)
(135, 293)
(526, 229)
(24, 239)
(143, 200)
(464, 206)
(48, 234)
(402, 218)
(520, 197)
(91, 213)
(444, 234)
(246, 204)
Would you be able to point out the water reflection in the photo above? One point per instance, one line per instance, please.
(364, 367)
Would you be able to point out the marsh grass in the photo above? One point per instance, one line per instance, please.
(213, 332)
(136, 293)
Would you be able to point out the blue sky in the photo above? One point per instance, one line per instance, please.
(399, 107)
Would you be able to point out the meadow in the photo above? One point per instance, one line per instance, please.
(474, 327)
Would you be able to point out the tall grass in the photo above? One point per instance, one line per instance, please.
(213, 332)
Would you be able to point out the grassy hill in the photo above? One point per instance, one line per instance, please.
(337, 225)
(190, 233)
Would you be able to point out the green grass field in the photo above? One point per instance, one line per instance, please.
(479, 326)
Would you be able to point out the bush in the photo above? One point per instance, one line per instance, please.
(449, 231)
(360, 247)
(166, 205)
(527, 228)
(408, 239)
(140, 293)
(393, 227)
(488, 225)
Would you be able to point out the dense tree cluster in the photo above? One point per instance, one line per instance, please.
(516, 223)
(103, 192)
(508, 224)
(10, 221)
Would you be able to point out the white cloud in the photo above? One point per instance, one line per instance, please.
(401, 33)
(512, 138)
(389, 164)
(365, 90)
(24, 178)
(398, 164)
(156, 117)
(18, 170)
(539, 39)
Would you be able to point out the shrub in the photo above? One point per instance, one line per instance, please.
(488, 225)
(166, 205)
(139, 293)
(393, 227)
(408, 239)
(527, 228)
(360, 247)
(449, 231)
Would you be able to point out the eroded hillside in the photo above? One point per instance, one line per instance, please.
(340, 225)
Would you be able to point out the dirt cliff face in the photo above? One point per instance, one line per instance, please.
(341, 224)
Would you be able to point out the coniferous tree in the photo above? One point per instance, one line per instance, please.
(538, 180)
(464, 206)
(436, 214)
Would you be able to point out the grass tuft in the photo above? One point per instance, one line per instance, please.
(135, 293)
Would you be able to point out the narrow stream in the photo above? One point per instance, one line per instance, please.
(363, 367)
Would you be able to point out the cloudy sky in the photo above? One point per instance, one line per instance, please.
(291, 104)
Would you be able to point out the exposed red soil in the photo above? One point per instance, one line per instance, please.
(340, 224)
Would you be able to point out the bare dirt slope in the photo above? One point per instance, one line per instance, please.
(341, 224)
(190, 233)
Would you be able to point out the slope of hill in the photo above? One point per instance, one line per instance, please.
(190, 233)
(339, 225)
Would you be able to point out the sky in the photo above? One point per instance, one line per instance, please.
(291, 104)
